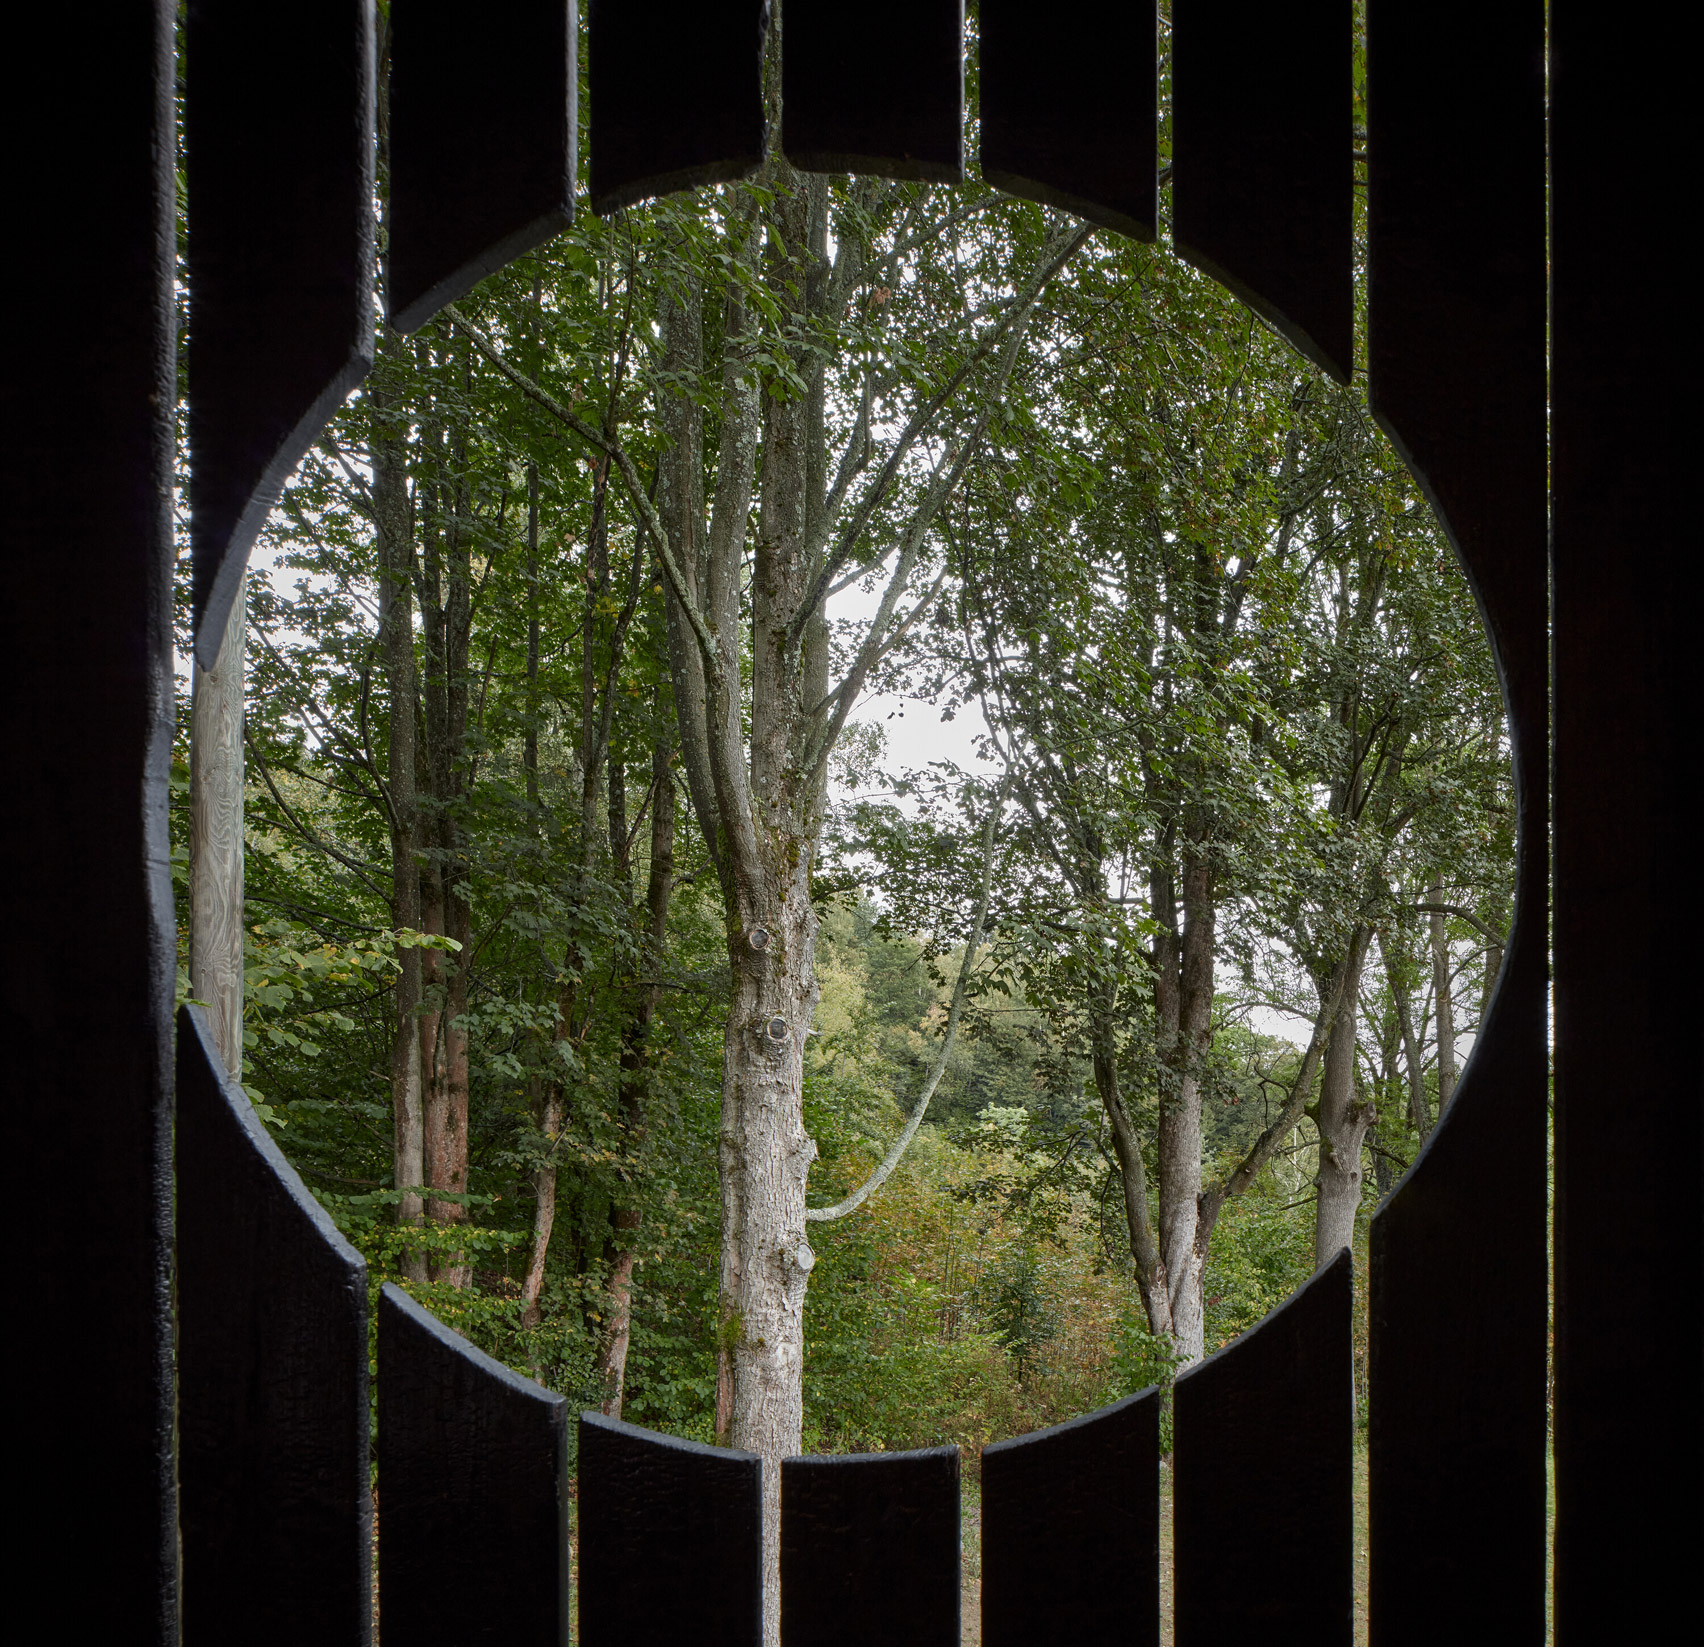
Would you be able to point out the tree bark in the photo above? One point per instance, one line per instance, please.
(1443, 1002)
(1396, 974)
(772, 830)
(216, 839)
(626, 1219)
(1342, 1121)
(394, 532)
(1183, 1013)
(448, 615)
(1127, 1151)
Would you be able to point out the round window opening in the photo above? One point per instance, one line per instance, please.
(971, 646)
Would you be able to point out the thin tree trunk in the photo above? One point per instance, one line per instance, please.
(546, 1094)
(1127, 1150)
(1443, 1003)
(775, 990)
(446, 1119)
(544, 1207)
(394, 532)
(1342, 1121)
(1184, 1022)
(1488, 983)
(626, 1219)
(1412, 1053)
(446, 1072)
(216, 839)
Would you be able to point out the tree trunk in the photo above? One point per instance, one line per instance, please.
(1341, 1120)
(1443, 1003)
(1127, 1150)
(544, 1207)
(1412, 1053)
(216, 839)
(394, 532)
(626, 1219)
(446, 1110)
(448, 618)
(766, 1151)
(544, 1092)
(1183, 1003)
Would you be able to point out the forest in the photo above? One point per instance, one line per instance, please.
(634, 986)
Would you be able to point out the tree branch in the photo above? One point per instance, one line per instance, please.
(1266, 1146)
(1462, 915)
(642, 503)
(878, 489)
(820, 1215)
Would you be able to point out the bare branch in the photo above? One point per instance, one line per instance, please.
(877, 490)
(821, 1215)
(1266, 1145)
(1462, 915)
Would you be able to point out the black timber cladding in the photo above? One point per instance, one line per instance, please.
(480, 141)
(473, 1480)
(272, 1383)
(86, 410)
(870, 1549)
(1070, 108)
(1262, 142)
(875, 88)
(671, 1540)
(278, 158)
(676, 96)
(1071, 1532)
(1628, 588)
(1262, 1455)
(1456, 285)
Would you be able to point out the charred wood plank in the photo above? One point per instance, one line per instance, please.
(1263, 161)
(1262, 1495)
(272, 1382)
(1070, 108)
(278, 157)
(875, 88)
(1071, 1532)
(676, 95)
(1456, 329)
(473, 1476)
(870, 1549)
(1628, 587)
(671, 1540)
(87, 401)
(481, 139)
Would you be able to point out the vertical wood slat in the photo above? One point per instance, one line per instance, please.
(875, 88)
(676, 95)
(272, 1383)
(1262, 140)
(278, 137)
(473, 1476)
(1628, 586)
(671, 1540)
(870, 1549)
(1071, 1532)
(86, 407)
(483, 109)
(1262, 1488)
(1070, 108)
(1456, 330)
